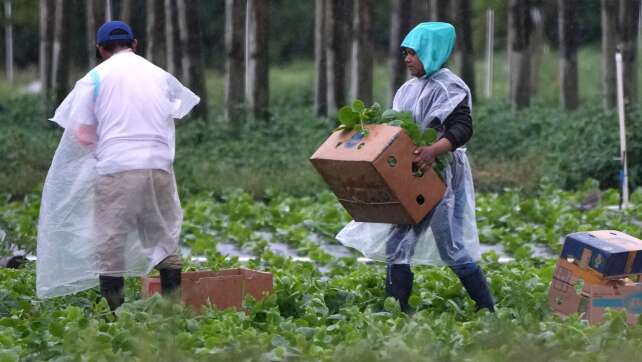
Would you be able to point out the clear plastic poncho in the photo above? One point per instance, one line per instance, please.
(448, 235)
(68, 251)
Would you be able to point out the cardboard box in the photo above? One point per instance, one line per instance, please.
(224, 289)
(373, 176)
(612, 254)
(570, 294)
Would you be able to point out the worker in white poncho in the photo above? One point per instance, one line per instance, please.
(110, 207)
(439, 99)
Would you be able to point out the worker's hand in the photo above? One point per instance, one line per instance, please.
(425, 157)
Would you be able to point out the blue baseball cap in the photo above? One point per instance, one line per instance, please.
(104, 33)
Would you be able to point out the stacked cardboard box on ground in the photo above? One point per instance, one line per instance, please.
(223, 289)
(374, 178)
(595, 272)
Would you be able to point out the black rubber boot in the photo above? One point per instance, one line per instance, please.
(112, 289)
(475, 283)
(399, 284)
(171, 283)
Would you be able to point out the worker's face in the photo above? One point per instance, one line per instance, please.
(413, 63)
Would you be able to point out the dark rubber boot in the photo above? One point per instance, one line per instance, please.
(399, 284)
(475, 283)
(171, 283)
(112, 289)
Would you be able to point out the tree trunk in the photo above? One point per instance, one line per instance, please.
(520, 65)
(320, 61)
(234, 61)
(337, 54)
(60, 61)
(8, 40)
(196, 60)
(108, 11)
(362, 52)
(629, 25)
(567, 22)
(537, 47)
(463, 17)
(90, 23)
(126, 11)
(45, 47)
(183, 35)
(441, 10)
(257, 88)
(150, 29)
(420, 12)
(169, 36)
(399, 27)
(610, 39)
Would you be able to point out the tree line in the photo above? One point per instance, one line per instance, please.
(346, 37)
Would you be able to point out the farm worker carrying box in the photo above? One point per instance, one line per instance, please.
(439, 99)
(109, 205)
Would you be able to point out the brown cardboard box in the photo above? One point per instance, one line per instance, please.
(373, 178)
(570, 293)
(224, 289)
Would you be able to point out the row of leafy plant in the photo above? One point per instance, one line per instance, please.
(511, 219)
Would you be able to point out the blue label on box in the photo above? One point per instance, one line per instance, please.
(632, 303)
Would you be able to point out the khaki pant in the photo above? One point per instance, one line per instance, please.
(131, 206)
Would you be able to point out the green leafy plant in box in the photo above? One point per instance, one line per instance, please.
(357, 116)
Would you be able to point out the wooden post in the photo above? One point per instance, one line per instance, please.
(234, 60)
(108, 13)
(362, 52)
(196, 67)
(567, 22)
(257, 89)
(320, 61)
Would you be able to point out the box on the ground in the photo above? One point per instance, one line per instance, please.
(374, 178)
(223, 289)
(612, 254)
(570, 293)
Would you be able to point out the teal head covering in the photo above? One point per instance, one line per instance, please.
(433, 42)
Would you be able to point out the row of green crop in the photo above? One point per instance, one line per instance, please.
(339, 316)
(511, 219)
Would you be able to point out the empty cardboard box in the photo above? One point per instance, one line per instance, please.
(570, 293)
(611, 254)
(224, 289)
(373, 176)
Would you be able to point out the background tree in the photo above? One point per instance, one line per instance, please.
(257, 88)
(8, 39)
(60, 53)
(90, 32)
(466, 55)
(234, 60)
(629, 25)
(520, 26)
(196, 69)
(362, 52)
(169, 37)
(400, 16)
(569, 98)
(337, 19)
(320, 61)
(610, 38)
